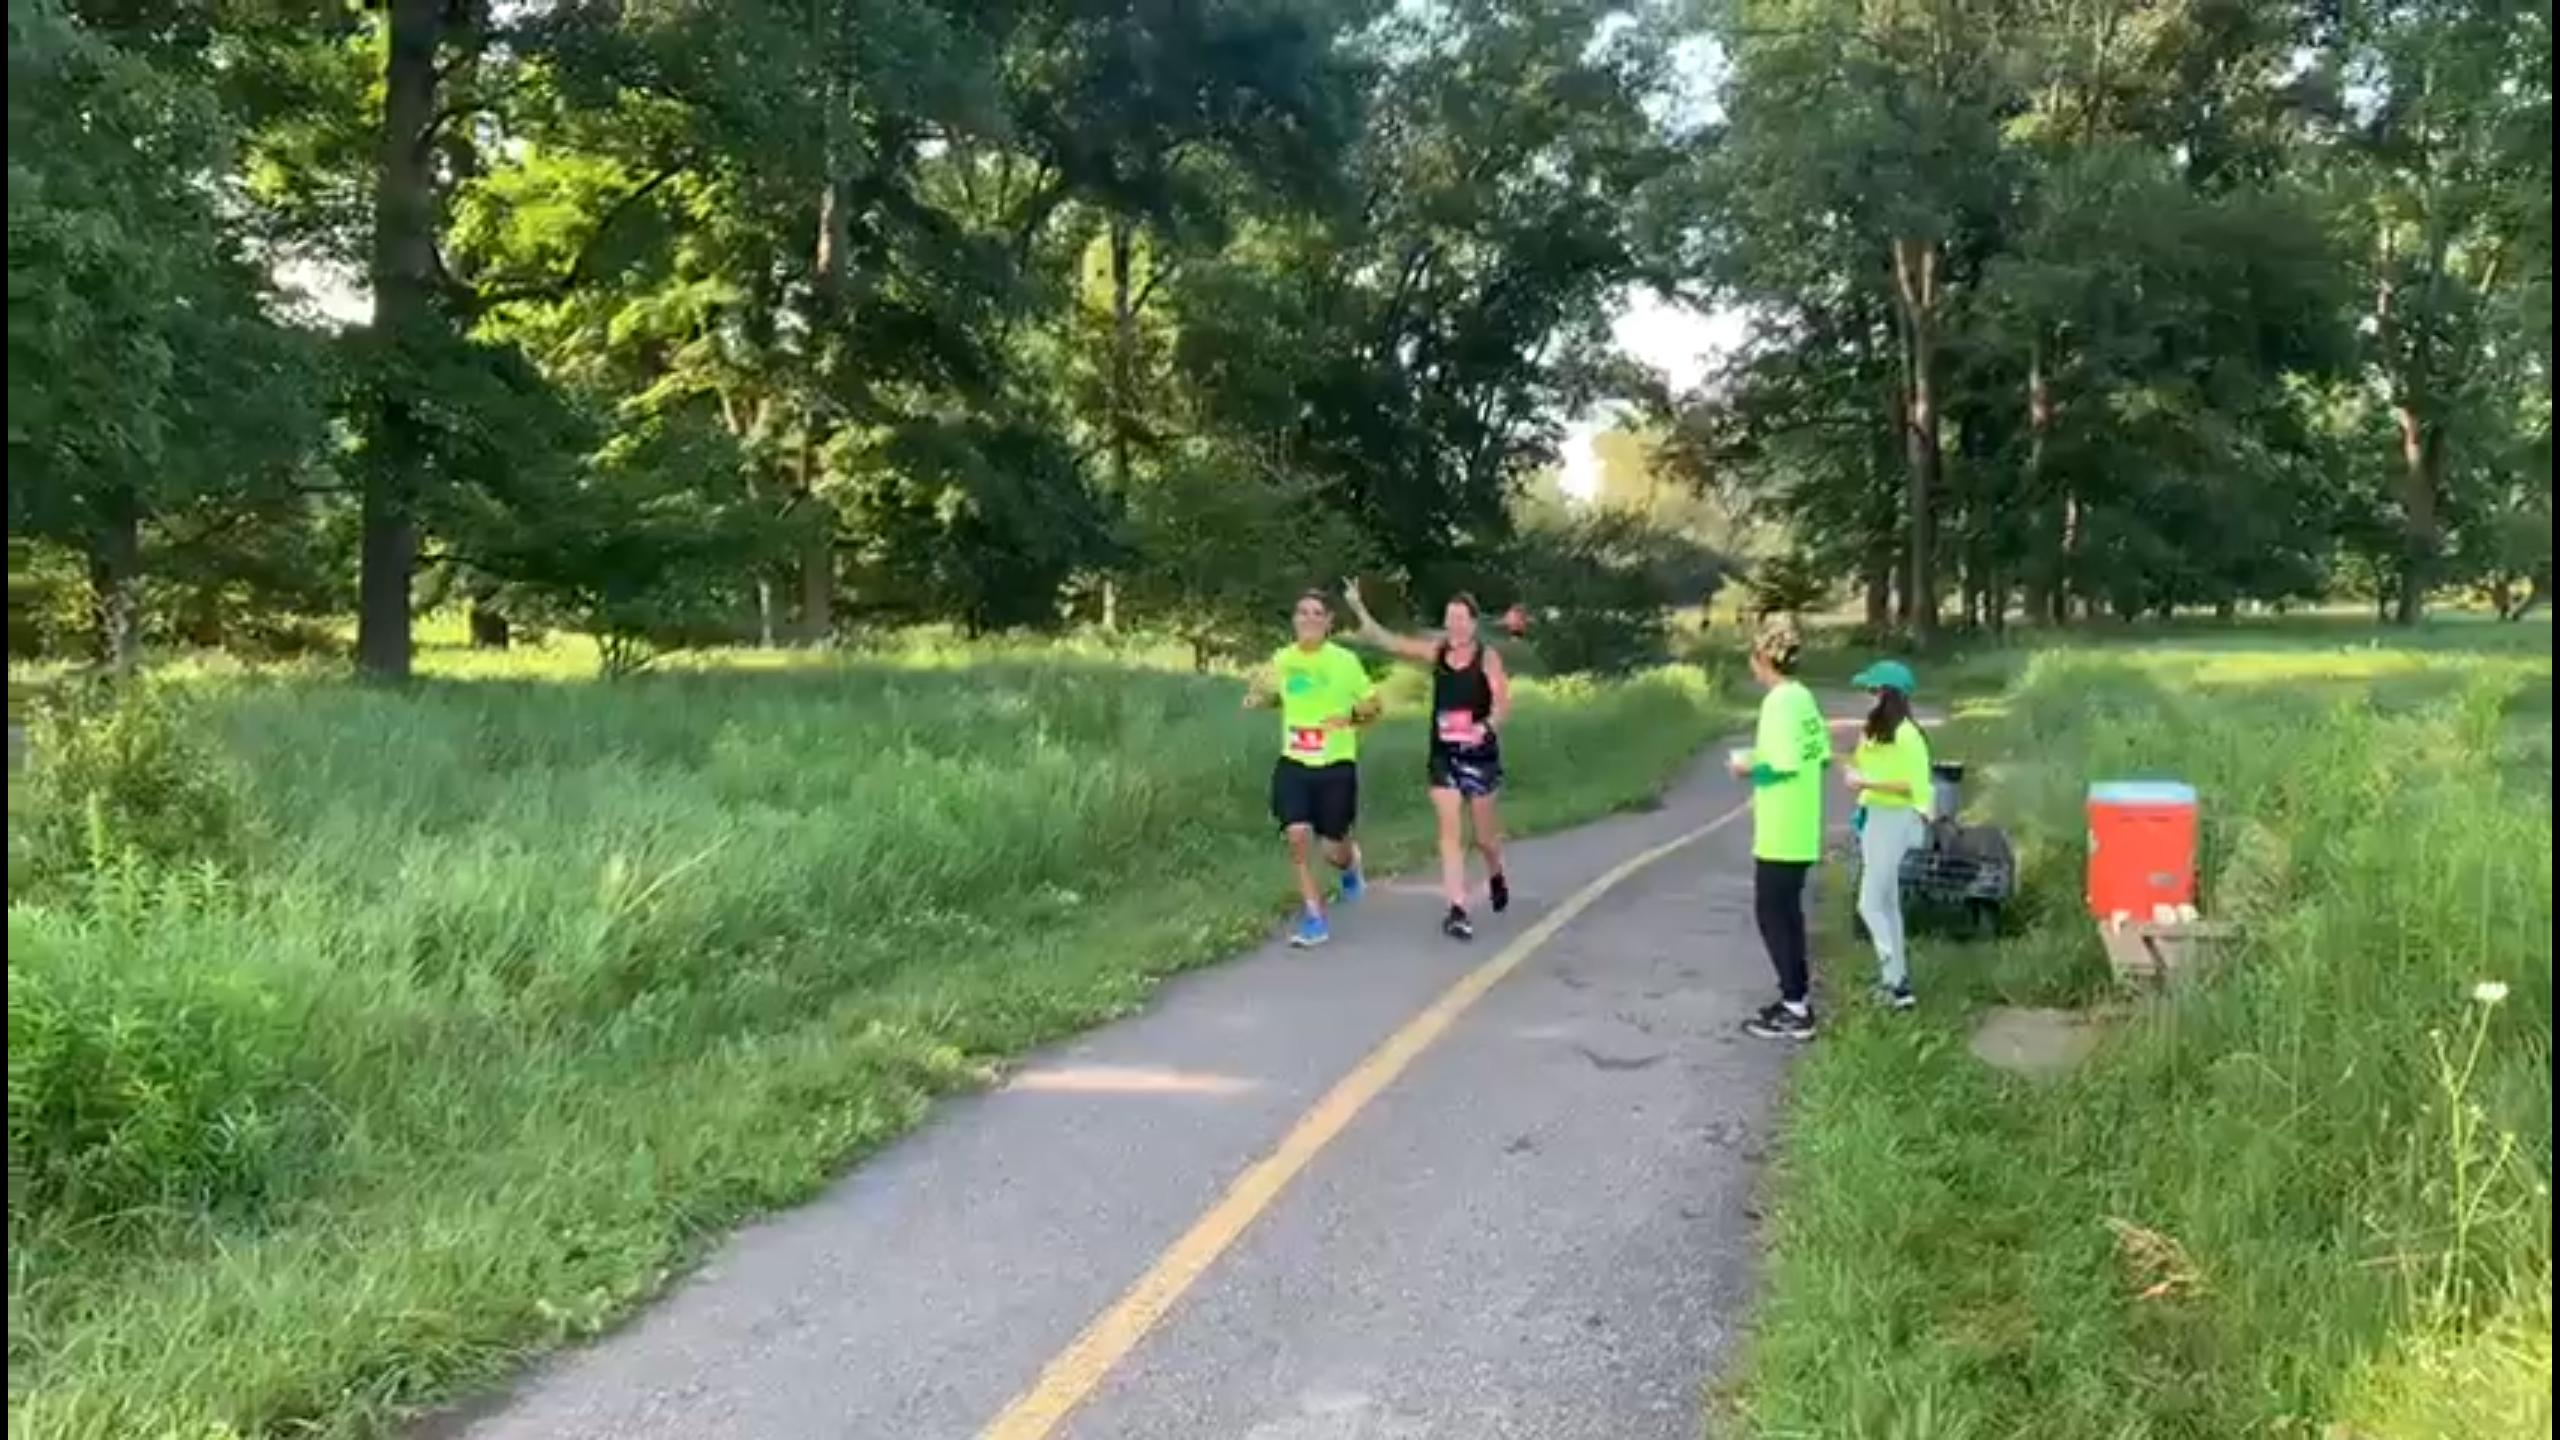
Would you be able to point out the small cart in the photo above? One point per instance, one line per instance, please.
(1963, 876)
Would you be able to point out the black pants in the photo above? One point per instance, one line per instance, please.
(1777, 897)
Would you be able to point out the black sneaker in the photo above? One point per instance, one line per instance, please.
(1780, 1021)
(1501, 888)
(1896, 997)
(1456, 925)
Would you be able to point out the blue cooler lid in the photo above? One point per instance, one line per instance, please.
(2142, 792)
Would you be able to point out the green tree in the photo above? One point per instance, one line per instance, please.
(1224, 540)
(147, 373)
(1844, 197)
(1415, 347)
(2447, 128)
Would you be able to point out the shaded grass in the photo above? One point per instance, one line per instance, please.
(2278, 1201)
(512, 990)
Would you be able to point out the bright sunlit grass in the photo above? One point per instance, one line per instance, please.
(421, 1029)
(2311, 1193)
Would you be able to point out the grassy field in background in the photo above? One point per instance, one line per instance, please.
(362, 1042)
(2310, 1198)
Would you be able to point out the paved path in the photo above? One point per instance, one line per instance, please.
(1543, 1227)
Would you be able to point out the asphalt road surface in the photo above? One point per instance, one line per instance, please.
(1542, 1226)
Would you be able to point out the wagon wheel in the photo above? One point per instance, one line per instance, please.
(1985, 915)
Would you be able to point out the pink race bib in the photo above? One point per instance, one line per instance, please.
(1459, 727)
(1306, 740)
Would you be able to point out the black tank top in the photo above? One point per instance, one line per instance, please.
(1456, 690)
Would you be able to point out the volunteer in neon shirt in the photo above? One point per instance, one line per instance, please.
(1784, 767)
(1325, 695)
(1890, 778)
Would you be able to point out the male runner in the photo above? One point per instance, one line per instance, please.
(1324, 695)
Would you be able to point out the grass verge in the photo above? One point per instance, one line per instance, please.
(362, 1043)
(2309, 1197)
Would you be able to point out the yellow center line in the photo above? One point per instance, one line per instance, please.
(1067, 1380)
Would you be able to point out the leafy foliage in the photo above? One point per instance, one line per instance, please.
(2070, 304)
(927, 311)
(145, 371)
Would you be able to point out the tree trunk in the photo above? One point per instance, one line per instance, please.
(818, 587)
(817, 550)
(1879, 587)
(835, 236)
(1892, 482)
(2047, 584)
(2073, 523)
(489, 629)
(1884, 474)
(115, 586)
(2421, 482)
(1124, 346)
(1916, 287)
(827, 262)
(1124, 383)
(744, 419)
(768, 611)
(405, 314)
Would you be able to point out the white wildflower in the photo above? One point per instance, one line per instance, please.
(2489, 992)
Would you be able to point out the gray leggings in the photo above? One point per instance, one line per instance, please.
(1889, 835)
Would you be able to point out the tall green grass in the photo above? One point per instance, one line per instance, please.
(361, 1042)
(2309, 1196)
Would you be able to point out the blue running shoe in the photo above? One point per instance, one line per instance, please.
(1353, 887)
(1311, 932)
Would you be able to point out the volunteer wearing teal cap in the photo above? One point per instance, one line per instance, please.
(1890, 777)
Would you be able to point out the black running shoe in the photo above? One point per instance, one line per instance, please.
(1456, 925)
(1781, 1021)
(1501, 888)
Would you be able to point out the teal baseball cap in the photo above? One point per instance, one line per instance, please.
(1887, 675)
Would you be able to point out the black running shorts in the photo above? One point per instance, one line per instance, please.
(1324, 798)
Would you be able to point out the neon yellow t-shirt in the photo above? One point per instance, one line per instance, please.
(1904, 758)
(1319, 688)
(1793, 745)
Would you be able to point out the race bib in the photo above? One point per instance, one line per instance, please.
(1306, 740)
(1459, 727)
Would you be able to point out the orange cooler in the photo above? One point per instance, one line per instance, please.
(2142, 848)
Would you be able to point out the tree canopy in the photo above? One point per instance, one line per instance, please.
(685, 321)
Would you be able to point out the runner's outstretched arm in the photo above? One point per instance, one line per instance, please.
(1409, 647)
